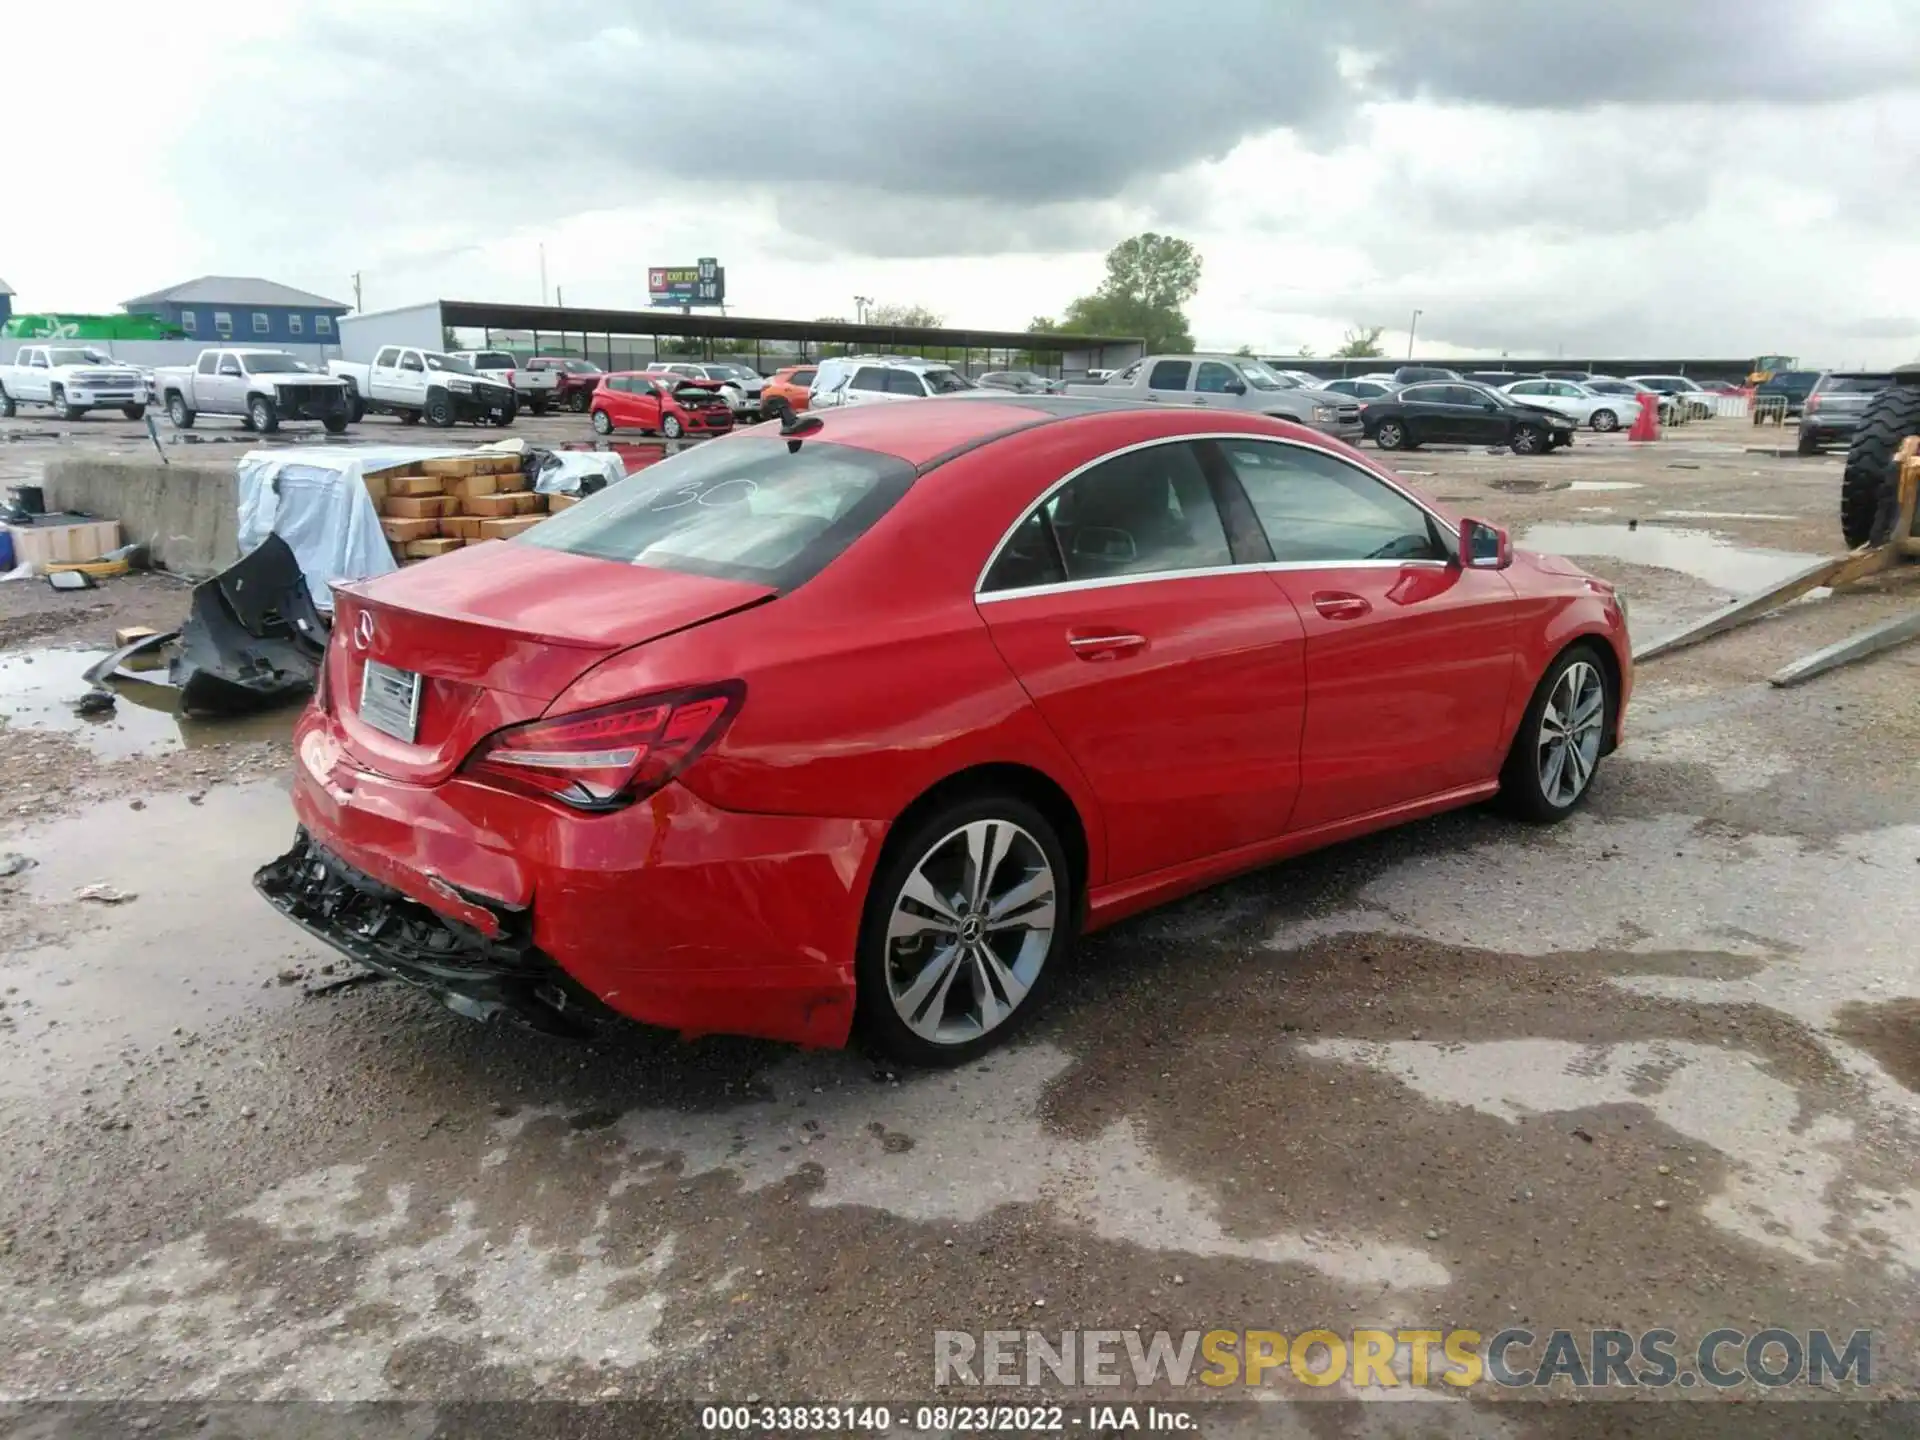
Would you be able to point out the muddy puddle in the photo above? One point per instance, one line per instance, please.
(185, 945)
(38, 689)
(1707, 557)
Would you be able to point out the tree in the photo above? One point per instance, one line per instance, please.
(1149, 279)
(907, 317)
(1361, 343)
(1246, 350)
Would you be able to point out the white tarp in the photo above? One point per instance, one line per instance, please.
(315, 498)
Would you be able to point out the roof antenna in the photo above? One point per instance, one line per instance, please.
(796, 428)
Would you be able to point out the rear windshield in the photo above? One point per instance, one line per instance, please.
(1855, 384)
(747, 509)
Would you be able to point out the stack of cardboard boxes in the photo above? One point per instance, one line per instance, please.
(429, 507)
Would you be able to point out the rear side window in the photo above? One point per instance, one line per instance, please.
(1142, 512)
(747, 509)
(1169, 375)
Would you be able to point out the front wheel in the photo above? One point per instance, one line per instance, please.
(602, 423)
(1605, 420)
(1808, 444)
(262, 412)
(537, 404)
(1528, 440)
(966, 927)
(336, 423)
(57, 398)
(134, 412)
(1391, 435)
(672, 428)
(440, 410)
(1550, 767)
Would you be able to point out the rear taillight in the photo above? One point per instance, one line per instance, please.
(1813, 402)
(608, 757)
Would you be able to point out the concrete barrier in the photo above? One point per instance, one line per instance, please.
(185, 514)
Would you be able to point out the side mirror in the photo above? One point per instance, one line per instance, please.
(1484, 546)
(1236, 387)
(1489, 405)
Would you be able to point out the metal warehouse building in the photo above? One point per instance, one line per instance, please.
(630, 339)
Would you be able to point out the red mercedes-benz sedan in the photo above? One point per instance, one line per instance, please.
(860, 721)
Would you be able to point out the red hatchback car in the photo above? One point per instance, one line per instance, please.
(669, 405)
(863, 719)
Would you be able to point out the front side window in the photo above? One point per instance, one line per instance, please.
(905, 382)
(229, 365)
(1214, 378)
(1144, 512)
(1169, 375)
(410, 360)
(1320, 510)
(946, 382)
(746, 509)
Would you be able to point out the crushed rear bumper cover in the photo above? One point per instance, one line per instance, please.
(479, 976)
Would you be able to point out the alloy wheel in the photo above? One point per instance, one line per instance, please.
(970, 931)
(1388, 436)
(1570, 725)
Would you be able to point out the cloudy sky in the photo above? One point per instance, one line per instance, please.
(1697, 177)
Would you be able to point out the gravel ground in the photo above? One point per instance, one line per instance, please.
(1656, 1067)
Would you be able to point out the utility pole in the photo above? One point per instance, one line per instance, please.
(860, 304)
(560, 296)
(543, 272)
(1412, 325)
(356, 290)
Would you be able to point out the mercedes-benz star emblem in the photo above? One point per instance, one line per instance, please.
(363, 629)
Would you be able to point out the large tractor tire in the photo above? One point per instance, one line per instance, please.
(1867, 490)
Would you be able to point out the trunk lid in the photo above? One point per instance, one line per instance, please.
(495, 632)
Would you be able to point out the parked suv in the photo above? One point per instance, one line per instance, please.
(1783, 394)
(1835, 404)
(786, 393)
(863, 380)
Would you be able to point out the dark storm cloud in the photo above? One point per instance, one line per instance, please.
(908, 128)
(1542, 55)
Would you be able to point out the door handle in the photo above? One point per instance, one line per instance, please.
(1106, 647)
(1340, 605)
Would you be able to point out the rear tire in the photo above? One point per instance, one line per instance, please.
(1605, 421)
(1391, 435)
(178, 412)
(602, 423)
(537, 404)
(1550, 769)
(7, 408)
(579, 401)
(931, 927)
(1867, 487)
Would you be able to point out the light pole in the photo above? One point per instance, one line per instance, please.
(860, 304)
(1412, 325)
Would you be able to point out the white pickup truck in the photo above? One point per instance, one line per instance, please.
(72, 379)
(532, 389)
(263, 387)
(415, 384)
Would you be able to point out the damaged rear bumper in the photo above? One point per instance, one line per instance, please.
(480, 976)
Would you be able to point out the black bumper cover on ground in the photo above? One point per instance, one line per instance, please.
(253, 638)
(470, 973)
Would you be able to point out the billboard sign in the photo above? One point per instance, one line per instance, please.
(704, 283)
